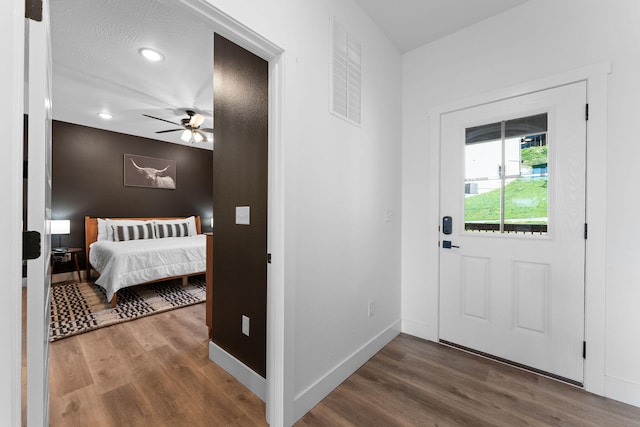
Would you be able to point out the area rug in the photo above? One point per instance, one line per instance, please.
(82, 307)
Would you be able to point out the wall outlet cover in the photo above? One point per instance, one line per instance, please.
(245, 325)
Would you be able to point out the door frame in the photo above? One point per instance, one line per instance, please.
(12, 45)
(279, 381)
(595, 77)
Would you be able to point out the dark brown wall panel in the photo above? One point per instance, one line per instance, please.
(240, 162)
(87, 173)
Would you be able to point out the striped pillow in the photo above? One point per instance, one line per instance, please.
(176, 229)
(123, 233)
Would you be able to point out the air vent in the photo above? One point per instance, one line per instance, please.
(347, 75)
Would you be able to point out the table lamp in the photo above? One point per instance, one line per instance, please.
(60, 226)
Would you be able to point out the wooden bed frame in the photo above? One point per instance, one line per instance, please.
(91, 235)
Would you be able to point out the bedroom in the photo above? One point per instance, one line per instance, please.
(90, 149)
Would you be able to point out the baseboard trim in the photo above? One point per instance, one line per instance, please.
(313, 394)
(238, 370)
(420, 330)
(622, 390)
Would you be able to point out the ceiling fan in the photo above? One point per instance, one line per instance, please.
(190, 127)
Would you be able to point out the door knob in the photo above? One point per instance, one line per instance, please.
(446, 244)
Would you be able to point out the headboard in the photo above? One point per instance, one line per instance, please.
(91, 231)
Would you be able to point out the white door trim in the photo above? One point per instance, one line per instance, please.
(279, 394)
(595, 273)
(12, 47)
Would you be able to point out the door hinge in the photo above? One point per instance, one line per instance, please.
(586, 231)
(268, 258)
(31, 247)
(584, 349)
(586, 111)
(33, 10)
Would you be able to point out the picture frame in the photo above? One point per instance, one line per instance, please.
(149, 172)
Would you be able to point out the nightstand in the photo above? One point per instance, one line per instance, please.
(59, 252)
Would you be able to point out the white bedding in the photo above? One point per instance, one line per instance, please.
(123, 264)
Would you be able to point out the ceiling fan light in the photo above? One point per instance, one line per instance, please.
(186, 136)
(197, 137)
(197, 120)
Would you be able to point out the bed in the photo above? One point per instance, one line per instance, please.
(136, 251)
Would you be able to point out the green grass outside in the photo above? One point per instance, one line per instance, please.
(523, 199)
(534, 156)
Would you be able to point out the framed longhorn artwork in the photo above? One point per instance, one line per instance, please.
(141, 171)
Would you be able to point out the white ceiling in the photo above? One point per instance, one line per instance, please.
(413, 23)
(97, 67)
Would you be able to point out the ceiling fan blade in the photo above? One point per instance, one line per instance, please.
(208, 130)
(170, 130)
(158, 118)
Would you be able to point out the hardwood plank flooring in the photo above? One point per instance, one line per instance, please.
(413, 382)
(150, 371)
(156, 371)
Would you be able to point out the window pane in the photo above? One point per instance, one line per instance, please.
(526, 125)
(525, 195)
(512, 161)
(483, 133)
(482, 205)
(482, 160)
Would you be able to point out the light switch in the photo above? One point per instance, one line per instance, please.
(243, 215)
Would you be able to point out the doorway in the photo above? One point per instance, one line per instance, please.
(512, 242)
(259, 45)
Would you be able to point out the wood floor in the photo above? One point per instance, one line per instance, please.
(412, 382)
(152, 371)
(156, 371)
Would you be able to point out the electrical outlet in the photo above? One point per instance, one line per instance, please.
(245, 325)
(371, 308)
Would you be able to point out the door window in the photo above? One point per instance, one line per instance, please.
(506, 176)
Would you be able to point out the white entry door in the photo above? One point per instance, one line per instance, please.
(512, 240)
(38, 219)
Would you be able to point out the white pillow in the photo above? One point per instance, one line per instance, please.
(191, 223)
(103, 234)
(117, 222)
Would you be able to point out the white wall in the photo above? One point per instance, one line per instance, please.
(339, 179)
(541, 38)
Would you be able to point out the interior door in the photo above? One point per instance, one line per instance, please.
(38, 219)
(512, 198)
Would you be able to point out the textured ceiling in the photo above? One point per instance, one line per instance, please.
(413, 23)
(97, 67)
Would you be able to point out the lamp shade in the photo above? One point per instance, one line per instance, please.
(60, 226)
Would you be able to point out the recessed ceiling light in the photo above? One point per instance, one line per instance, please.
(151, 54)
(105, 115)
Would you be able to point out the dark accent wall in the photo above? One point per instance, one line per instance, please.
(240, 165)
(87, 179)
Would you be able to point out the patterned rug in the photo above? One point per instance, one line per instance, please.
(82, 307)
